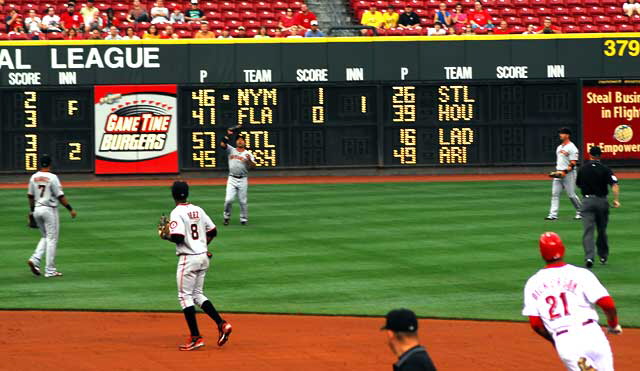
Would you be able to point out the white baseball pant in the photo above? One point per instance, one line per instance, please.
(49, 225)
(192, 270)
(568, 183)
(588, 342)
(237, 187)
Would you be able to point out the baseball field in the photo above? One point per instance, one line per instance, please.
(446, 248)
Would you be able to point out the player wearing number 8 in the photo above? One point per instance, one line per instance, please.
(560, 302)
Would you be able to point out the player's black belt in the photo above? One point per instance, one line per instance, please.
(587, 322)
(592, 196)
(236, 176)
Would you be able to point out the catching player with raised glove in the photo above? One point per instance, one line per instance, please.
(191, 229)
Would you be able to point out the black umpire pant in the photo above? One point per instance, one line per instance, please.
(595, 214)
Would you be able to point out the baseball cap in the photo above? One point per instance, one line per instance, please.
(241, 28)
(401, 320)
(314, 23)
(551, 246)
(595, 151)
(45, 160)
(564, 131)
(194, 2)
(180, 190)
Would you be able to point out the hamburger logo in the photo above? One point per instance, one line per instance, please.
(136, 125)
(623, 133)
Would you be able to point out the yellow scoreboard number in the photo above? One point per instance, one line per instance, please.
(403, 103)
(263, 150)
(256, 106)
(30, 111)
(203, 147)
(205, 113)
(407, 152)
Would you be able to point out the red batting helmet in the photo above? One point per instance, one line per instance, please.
(551, 246)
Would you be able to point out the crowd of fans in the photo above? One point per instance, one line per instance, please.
(155, 22)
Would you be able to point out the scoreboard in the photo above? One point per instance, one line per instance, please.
(401, 124)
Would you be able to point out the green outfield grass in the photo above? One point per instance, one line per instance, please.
(459, 250)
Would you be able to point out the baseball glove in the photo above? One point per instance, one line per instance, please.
(163, 228)
(32, 221)
(556, 174)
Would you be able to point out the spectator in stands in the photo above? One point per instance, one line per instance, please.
(459, 18)
(314, 31)
(33, 22)
(294, 33)
(51, 21)
(390, 17)
(443, 16)
(262, 33)
(110, 20)
(90, 16)
(531, 30)
(480, 17)
(159, 13)
(630, 7)
(241, 33)
(94, 35)
(225, 34)
(72, 34)
(176, 16)
(502, 29)
(13, 20)
(278, 34)
(468, 31)
(193, 14)
(18, 30)
(138, 13)
(371, 17)
(130, 34)
(436, 30)
(304, 17)
(151, 33)
(114, 34)
(547, 27)
(287, 20)
(71, 19)
(169, 33)
(409, 19)
(204, 33)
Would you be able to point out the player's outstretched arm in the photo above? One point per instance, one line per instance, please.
(608, 306)
(211, 235)
(65, 203)
(226, 139)
(538, 326)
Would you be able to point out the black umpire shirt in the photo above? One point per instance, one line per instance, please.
(414, 359)
(408, 19)
(594, 179)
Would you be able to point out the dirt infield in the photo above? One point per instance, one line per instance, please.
(312, 180)
(36, 340)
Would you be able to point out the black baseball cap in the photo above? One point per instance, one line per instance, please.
(45, 160)
(595, 151)
(564, 131)
(401, 320)
(180, 190)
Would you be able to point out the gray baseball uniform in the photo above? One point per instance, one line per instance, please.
(45, 188)
(565, 153)
(237, 183)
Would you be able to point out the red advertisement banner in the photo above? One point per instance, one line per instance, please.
(611, 120)
(136, 129)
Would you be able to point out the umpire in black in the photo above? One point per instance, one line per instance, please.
(402, 334)
(594, 180)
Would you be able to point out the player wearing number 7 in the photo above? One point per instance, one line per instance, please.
(240, 161)
(560, 301)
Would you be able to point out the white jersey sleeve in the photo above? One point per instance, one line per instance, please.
(176, 224)
(208, 223)
(530, 308)
(573, 152)
(593, 289)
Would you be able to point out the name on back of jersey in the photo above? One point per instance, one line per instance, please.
(193, 215)
(564, 284)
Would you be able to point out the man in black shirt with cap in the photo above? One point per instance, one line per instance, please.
(594, 180)
(402, 335)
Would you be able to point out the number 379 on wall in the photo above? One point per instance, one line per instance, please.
(620, 48)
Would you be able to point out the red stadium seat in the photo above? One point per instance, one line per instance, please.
(296, 5)
(555, 3)
(523, 12)
(184, 34)
(280, 5)
(513, 21)
(142, 26)
(233, 23)
(520, 3)
(55, 36)
(265, 14)
(619, 18)
(583, 19)
(544, 12)
(19, 37)
(4, 36)
(263, 5)
(121, 16)
(561, 11)
(596, 10)
(517, 29)
(607, 28)
(230, 15)
(162, 26)
(412, 32)
(578, 10)
(212, 14)
(252, 23)
(589, 28)
(269, 23)
(381, 4)
(181, 26)
(601, 19)
(538, 3)
(394, 32)
(419, 3)
(244, 6)
(612, 10)
(226, 6)
(508, 12)
(209, 6)
(103, 6)
(610, 3)
(591, 2)
(496, 20)
(503, 4)
(637, 27)
(625, 28)
(531, 20)
(571, 29)
(398, 4)
(565, 20)
(248, 15)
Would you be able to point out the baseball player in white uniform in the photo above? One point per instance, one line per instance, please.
(560, 301)
(44, 193)
(191, 229)
(565, 175)
(240, 161)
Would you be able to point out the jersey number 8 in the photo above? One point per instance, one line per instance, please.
(194, 231)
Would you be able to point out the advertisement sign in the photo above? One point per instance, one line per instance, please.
(611, 120)
(136, 129)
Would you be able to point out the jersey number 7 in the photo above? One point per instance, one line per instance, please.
(42, 188)
(553, 302)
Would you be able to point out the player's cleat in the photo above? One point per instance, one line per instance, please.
(225, 332)
(226, 222)
(54, 274)
(588, 263)
(603, 261)
(577, 217)
(34, 268)
(244, 223)
(193, 343)
(551, 218)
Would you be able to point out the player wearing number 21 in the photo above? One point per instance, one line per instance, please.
(45, 191)
(560, 301)
(240, 161)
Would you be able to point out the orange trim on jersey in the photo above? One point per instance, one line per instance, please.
(555, 265)
(181, 278)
